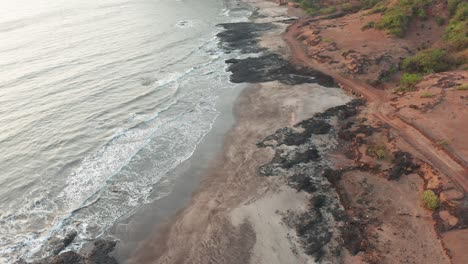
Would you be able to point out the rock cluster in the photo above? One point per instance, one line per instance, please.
(325, 228)
(98, 254)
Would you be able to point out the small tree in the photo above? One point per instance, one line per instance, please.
(430, 200)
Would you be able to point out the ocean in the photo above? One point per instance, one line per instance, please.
(99, 101)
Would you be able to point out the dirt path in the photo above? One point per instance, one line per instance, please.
(437, 157)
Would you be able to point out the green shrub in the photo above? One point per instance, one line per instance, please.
(380, 151)
(370, 24)
(430, 200)
(409, 80)
(452, 5)
(379, 8)
(429, 61)
(396, 20)
(366, 4)
(422, 13)
(443, 143)
(426, 95)
(328, 10)
(463, 87)
(456, 32)
(440, 20)
(348, 7)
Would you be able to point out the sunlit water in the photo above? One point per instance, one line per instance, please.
(98, 100)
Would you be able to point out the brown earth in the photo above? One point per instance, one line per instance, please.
(381, 109)
(429, 122)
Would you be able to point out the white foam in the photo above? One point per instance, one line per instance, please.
(186, 24)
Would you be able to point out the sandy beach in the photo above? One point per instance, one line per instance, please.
(234, 216)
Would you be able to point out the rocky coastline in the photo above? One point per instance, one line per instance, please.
(360, 183)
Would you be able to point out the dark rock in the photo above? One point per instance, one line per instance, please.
(318, 201)
(353, 238)
(403, 164)
(272, 67)
(343, 111)
(268, 170)
(231, 61)
(294, 158)
(100, 253)
(302, 182)
(314, 126)
(243, 36)
(285, 135)
(66, 241)
(333, 176)
(366, 130)
(346, 135)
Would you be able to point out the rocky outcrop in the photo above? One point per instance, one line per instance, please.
(272, 67)
(98, 254)
(325, 228)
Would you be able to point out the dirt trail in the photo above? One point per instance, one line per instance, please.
(437, 157)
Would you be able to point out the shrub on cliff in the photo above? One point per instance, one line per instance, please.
(408, 81)
(366, 4)
(452, 5)
(430, 200)
(456, 32)
(397, 18)
(428, 61)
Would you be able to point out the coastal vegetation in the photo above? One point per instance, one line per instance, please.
(463, 87)
(456, 33)
(426, 95)
(430, 200)
(408, 81)
(380, 151)
(429, 61)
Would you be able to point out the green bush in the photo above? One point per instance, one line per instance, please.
(422, 13)
(348, 7)
(426, 95)
(371, 24)
(452, 5)
(463, 87)
(397, 18)
(379, 8)
(430, 200)
(380, 151)
(440, 20)
(456, 32)
(328, 10)
(409, 80)
(429, 61)
(366, 4)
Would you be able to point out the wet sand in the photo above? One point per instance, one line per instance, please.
(234, 216)
(180, 184)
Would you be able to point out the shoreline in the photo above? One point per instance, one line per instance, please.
(185, 180)
(281, 205)
(300, 179)
(224, 210)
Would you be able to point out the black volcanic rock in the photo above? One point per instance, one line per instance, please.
(243, 36)
(272, 67)
(98, 254)
(403, 164)
(65, 242)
